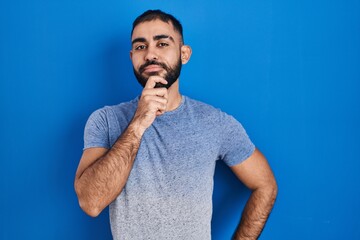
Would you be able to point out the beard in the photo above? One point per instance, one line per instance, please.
(172, 73)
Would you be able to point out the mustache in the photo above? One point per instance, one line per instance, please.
(152, 62)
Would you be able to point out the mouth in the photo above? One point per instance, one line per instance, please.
(152, 68)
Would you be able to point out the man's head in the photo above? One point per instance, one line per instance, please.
(157, 47)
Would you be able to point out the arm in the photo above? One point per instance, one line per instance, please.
(256, 174)
(103, 173)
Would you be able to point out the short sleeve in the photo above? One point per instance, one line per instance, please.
(236, 146)
(96, 132)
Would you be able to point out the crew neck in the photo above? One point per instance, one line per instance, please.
(176, 110)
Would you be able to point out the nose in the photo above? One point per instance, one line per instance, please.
(151, 54)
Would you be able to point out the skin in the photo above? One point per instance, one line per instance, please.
(256, 174)
(102, 173)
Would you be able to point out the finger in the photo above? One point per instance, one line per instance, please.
(158, 113)
(154, 98)
(156, 107)
(161, 109)
(161, 92)
(151, 82)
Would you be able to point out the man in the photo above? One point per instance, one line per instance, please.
(152, 159)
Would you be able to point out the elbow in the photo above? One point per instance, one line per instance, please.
(89, 210)
(272, 190)
(88, 206)
(268, 190)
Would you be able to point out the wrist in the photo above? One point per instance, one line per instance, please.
(136, 128)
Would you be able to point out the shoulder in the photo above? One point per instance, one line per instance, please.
(206, 111)
(214, 117)
(200, 106)
(123, 110)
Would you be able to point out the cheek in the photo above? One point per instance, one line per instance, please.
(135, 62)
(173, 58)
(175, 54)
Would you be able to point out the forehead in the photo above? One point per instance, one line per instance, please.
(153, 28)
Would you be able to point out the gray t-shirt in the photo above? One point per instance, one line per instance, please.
(169, 191)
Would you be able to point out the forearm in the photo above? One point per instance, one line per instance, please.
(102, 182)
(256, 213)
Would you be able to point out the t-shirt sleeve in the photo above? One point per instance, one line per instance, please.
(96, 132)
(236, 145)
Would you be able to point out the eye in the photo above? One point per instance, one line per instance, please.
(140, 47)
(163, 44)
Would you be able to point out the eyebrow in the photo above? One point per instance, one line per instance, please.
(162, 36)
(156, 38)
(138, 40)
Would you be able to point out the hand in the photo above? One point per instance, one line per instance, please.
(152, 103)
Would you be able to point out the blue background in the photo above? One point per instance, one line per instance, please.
(288, 70)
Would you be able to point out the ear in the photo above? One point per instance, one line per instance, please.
(185, 53)
(131, 53)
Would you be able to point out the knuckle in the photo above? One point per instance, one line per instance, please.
(145, 91)
(145, 98)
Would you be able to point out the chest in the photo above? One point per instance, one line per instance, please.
(173, 156)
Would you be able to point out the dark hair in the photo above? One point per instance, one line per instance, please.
(151, 15)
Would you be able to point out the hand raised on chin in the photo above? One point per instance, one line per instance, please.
(152, 103)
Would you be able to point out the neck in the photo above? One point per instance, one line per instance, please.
(174, 99)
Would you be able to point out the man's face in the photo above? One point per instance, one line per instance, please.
(156, 50)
